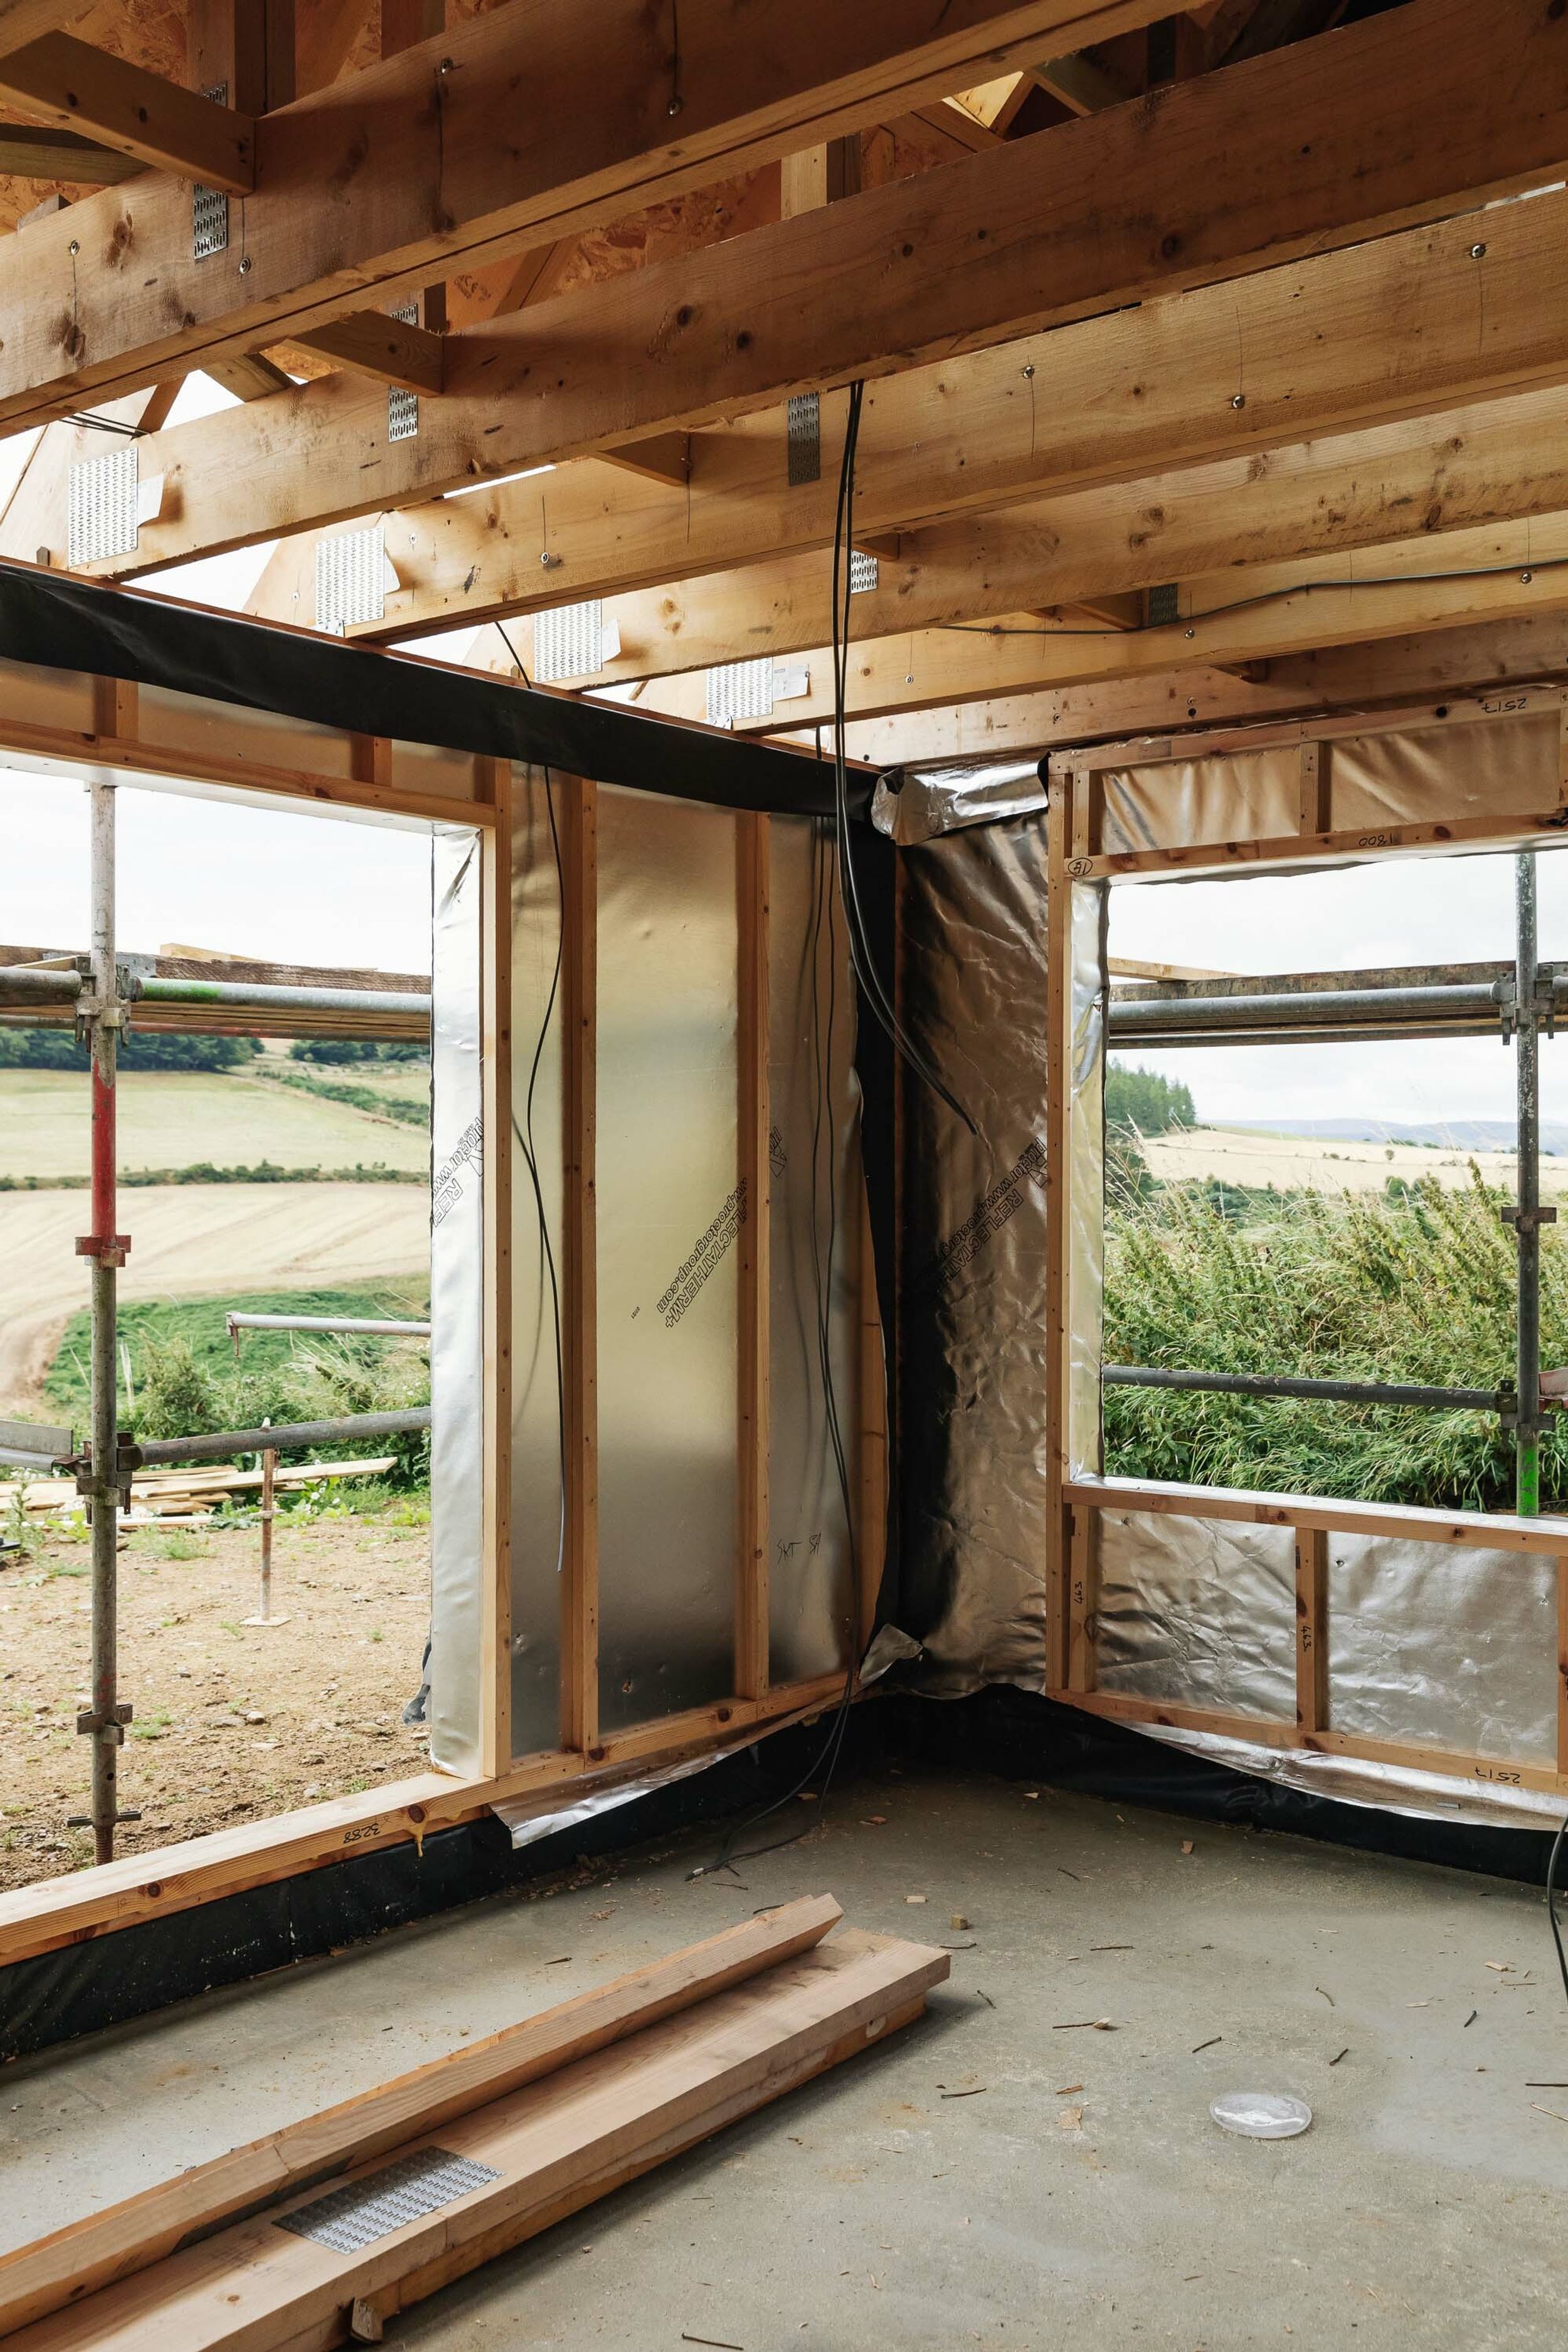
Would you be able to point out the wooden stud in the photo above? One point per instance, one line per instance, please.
(1066, 793)
(116, 708)
(873, 1451)
(496, 1084)
(1483, 1530)
(1317, 789)
(1266, 1731)
(753, 1041)
(1311, 1629)
(579, 1304)
(372, 757)
(1082, 1541)
(148, 1887)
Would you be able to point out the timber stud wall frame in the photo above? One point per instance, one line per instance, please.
(75, 725)
(1076, 1504)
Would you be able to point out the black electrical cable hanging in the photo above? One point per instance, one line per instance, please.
(1551, 1904)
(524, 1134)
(825, 1763)
(861, 953)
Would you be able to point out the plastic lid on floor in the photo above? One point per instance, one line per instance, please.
(1260, 2115)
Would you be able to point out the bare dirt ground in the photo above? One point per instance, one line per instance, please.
(192, 1241)
(233, 1722)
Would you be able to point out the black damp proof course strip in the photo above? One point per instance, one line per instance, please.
(62, 624)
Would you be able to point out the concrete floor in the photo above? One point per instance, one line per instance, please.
(1082, 2198)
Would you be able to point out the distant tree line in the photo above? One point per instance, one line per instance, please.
(359, 1049)
(1138, 1102)
(139, 1049)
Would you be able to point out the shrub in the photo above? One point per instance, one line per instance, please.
(1417, 1283)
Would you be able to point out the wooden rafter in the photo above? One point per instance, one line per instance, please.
(1088, 550)
(1257, 613)
(21, 21)
(1477, 659)
(1385, 329)
(72, 87)
(431, 174)
(34, 152)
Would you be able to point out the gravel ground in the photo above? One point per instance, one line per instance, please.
(232, 1721)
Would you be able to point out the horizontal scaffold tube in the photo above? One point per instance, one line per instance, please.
(1267, 1384)
(286, 1436)
(370, 1327)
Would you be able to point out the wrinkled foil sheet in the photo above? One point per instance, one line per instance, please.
(1198, 1611)
(668, 1219)
(1404, 775)
(916, 805)
(811, 1008)
(668, 1224)
(538, 1262)
(971, 1581)
(1431, 1645)
(456, 1303)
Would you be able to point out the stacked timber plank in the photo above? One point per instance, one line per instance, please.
(438, 2171)
(184, 1497)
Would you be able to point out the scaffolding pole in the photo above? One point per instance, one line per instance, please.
(1528, 1217)
(100, 1014)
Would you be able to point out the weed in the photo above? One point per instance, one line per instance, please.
(152, 1726)
(1415, 1285)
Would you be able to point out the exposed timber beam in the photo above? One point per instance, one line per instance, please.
(1093, 550)
(370, 343)
(34, 152)
(1397, 327)
(497, 136)
(75, 88)
(1461, 661)
(1260, 613)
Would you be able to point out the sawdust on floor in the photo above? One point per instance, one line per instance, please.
(233, 1722)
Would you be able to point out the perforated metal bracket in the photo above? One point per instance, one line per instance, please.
(100, 507)
(209, 207)
(568, 642)
(803, 438)
(403, 405)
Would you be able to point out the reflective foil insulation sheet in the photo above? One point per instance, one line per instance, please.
(1430, 1644)
(669, 1213)
(456, 1303)
(1504, 765)
(971, 1572)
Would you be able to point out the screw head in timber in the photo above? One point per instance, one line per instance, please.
(1478, 252)
(1240, 400)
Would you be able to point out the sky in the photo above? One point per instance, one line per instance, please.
(1402, 911)
(279, 886)
(275, 885)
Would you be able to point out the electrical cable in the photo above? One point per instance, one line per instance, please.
(860, 954)
(1551, 1903)
(1274, 596)
(825, 1762)
(524, 1133)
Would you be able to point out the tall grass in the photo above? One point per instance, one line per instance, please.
(1417, 1285)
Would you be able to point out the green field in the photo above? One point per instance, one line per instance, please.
(172, 1119)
